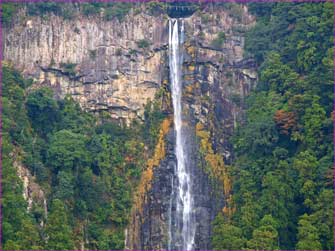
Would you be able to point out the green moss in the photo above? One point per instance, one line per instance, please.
(143, 43)
(219, 40)
(93, 54)
(69, 68)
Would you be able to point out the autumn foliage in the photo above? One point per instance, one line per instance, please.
(286, 121)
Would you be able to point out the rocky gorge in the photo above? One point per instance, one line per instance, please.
(118, 66)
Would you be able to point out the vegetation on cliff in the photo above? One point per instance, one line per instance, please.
(88, 166)
(283, 172)
(279, 190)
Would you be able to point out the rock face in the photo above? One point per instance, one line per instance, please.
(101, 65)
(216, 79)
(32, 191)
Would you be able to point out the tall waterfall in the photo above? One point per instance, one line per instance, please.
(182, 222)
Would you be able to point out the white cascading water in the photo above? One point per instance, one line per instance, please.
(184, 222)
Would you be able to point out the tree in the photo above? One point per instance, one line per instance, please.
(67, 150)
(65, 188)
(266, 236)
(226, 236)
(42, 110)
(308, 236)
(58, 230)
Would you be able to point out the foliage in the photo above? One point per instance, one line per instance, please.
(42, 110)
(284, 150)
(89, 168)
(226, 236)
(110, 10)
(143, 43)
(117, 10)
(308, 235)
(264, 237)
(69, 67)
(93, 54)
(219, 40)
(8, 11)
(58, 229)
(155, 8)
(16, 222)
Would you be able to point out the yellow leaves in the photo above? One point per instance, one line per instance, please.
(228, 210)
(188, 77)
(7, 63)
(215, 162)
(190, 49)
(147, 175)
(191, 67)
(189, 89)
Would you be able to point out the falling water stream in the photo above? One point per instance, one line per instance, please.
(182, 227)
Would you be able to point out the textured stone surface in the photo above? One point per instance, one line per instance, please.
(111, 73)
(215, 83)
(32, 191)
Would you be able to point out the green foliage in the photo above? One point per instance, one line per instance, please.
(308, 235)
(219, 40)
(88, 167)
(117, 10)
(93, 54)
(69, 68)
(89, 9)
(67, 150)
(8, 11)
(266, 236)
(16, 222)
(58, 230)
(155, 8)
(143, 43)
(35, 9)
(110, 10)
(48, 7)
(42, 110)
(153, 118)
(226, 236)
(284, 151)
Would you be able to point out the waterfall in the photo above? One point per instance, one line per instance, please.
(182, 223)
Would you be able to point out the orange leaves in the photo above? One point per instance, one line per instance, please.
(147, 175)
(286, 121)
(216, 168)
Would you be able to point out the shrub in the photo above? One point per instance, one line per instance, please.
(117, 10)
(69, 68)
(8, 10)
(93, 54)
(118, 52)
(143, 44)
(219, 40)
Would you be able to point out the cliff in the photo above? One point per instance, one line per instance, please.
(104, 65)
(117, 66)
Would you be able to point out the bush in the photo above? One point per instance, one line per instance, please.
(69, 68)
(117, 10)
(93, 54)
(36, 9)
(156, 8)
(8, 10)
(143, 44)
(219, 40)
(118, 52)
(89, 9)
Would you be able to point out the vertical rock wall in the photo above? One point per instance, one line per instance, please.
(216, 80)
(102, 66)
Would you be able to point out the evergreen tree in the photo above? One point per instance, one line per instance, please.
(308, 237)
(58, 231)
